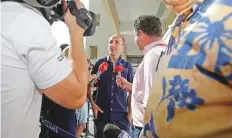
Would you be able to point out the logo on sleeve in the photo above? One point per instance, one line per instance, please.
(61, 57)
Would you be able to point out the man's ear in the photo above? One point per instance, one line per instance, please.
(141, 34)
(124, 47)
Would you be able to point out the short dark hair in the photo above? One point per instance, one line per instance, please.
(119, 35)
(149, 24)
(111, 131)
(63, 46)
(65, 52)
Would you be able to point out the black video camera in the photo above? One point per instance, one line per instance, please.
(86, 19)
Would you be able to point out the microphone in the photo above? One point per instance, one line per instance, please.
(102, 68)
(118, 68)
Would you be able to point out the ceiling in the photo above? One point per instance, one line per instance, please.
(129, 10)
(122, 14)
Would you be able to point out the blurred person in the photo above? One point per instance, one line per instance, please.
(32, 65)
(192, 94)
(111, 101)
(113, 131)
(62, 47)
(81, 116)
(65, 50)
(82, 113)
(148, 37)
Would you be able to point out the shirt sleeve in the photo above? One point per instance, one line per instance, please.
(46, 65)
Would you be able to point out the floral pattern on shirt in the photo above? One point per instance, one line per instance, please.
(194, 81)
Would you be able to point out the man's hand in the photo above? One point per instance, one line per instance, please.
(89, 93)
(70, 20)
(123, 83)
(91, 77)
(96, 109)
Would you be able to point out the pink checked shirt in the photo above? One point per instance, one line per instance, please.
(144, 76)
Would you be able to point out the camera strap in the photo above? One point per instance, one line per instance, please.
(56, 129)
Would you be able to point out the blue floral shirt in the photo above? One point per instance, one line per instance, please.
(192, 94)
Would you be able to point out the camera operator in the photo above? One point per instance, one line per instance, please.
(56, 114)
(32, 65)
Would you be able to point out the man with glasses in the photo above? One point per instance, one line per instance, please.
(148, 37)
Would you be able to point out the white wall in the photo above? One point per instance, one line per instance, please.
(131, 47)
(86, 3)
(103, 32)
(129, 10)
(61, 33)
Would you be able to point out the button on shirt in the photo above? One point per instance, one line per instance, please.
(143, 80)
(110, 98)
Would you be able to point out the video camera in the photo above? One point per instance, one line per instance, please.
(86, 19)
(53, 10)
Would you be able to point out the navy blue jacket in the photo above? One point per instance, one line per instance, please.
(110, 98)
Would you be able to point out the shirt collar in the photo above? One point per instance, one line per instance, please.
(153, 44)
(188, 12)
(108, 58)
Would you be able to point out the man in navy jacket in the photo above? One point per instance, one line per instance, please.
(111, 104)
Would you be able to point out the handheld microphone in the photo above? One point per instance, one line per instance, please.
(102, 68)
(118, 68)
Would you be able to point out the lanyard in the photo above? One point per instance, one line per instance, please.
(56, 129)
(161, 44)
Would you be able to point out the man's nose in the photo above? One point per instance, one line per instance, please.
(112, 45)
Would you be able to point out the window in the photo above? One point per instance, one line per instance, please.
(98, 19)
(93, 52)
(135, 59)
